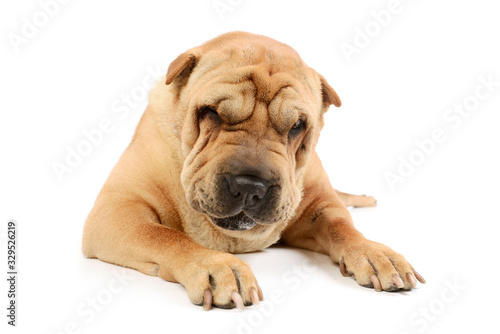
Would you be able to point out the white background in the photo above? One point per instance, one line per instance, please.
(444, 218)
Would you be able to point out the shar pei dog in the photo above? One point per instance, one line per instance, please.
(223, 161)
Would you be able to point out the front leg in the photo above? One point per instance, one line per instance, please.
(324, 225)
(127, 232)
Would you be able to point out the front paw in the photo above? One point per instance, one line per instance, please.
(222, 280)
(377, 266)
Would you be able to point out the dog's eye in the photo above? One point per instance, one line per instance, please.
(209, 113)
(298, 127)
(298, 124)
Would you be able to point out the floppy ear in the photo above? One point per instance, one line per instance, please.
(329, 94)
(181, 67)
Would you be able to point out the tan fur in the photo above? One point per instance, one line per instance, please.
(151, 214)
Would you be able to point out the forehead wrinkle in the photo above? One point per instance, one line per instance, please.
(234, 100)
(284, 110)
(270, 85)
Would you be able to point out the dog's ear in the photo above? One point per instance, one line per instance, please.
(329, 94)
(181, 67)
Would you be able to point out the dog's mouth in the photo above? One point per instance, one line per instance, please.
(239, 222)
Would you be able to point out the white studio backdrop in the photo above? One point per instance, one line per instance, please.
(418, 129)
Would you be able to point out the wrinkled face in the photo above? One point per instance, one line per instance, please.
(249, 129)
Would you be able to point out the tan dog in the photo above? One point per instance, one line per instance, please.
(223, 161)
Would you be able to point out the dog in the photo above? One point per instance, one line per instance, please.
(223, 161)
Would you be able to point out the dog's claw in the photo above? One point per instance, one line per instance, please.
(419, 277)
(238, 301)
(261, 295)
(376, 283)
(411, 278)
(207, 299)
(254, 296)
(343, 269)
(398, 281)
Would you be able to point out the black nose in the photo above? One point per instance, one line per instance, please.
(247, 189)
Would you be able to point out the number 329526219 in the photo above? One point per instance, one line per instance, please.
(11, 245)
